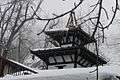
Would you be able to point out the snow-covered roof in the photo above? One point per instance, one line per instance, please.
(70, 74)
(13, 64)
(22, 65)
(57, 29)
(60, 35)
(45, 48)
(56, 52)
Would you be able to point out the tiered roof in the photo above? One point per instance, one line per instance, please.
(66, 35)
(65, 55)
(75, 53)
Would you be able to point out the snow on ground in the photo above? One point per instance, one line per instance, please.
(69, 74)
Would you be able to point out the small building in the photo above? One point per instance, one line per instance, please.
(14, 68)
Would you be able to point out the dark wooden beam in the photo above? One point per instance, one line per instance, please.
(58, 63)
(55, 59)
(71, 58)
(75, 60)
(63, 58)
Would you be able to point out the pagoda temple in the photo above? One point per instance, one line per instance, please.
(69, 47)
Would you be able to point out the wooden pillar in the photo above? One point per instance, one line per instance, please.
(47, 61)
(75, 55)
(75, 60)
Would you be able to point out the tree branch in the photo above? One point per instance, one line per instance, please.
(44, 28)
(115, 12)
(98, 20)
(39, 18)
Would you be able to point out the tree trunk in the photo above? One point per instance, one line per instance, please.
(2, 65)
(3, 55)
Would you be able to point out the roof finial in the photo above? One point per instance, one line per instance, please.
(72, 22)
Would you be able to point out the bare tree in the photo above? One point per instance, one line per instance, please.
(13, 16)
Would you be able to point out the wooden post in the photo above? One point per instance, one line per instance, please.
(47, 61)
(97, 74)
(75, 60)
